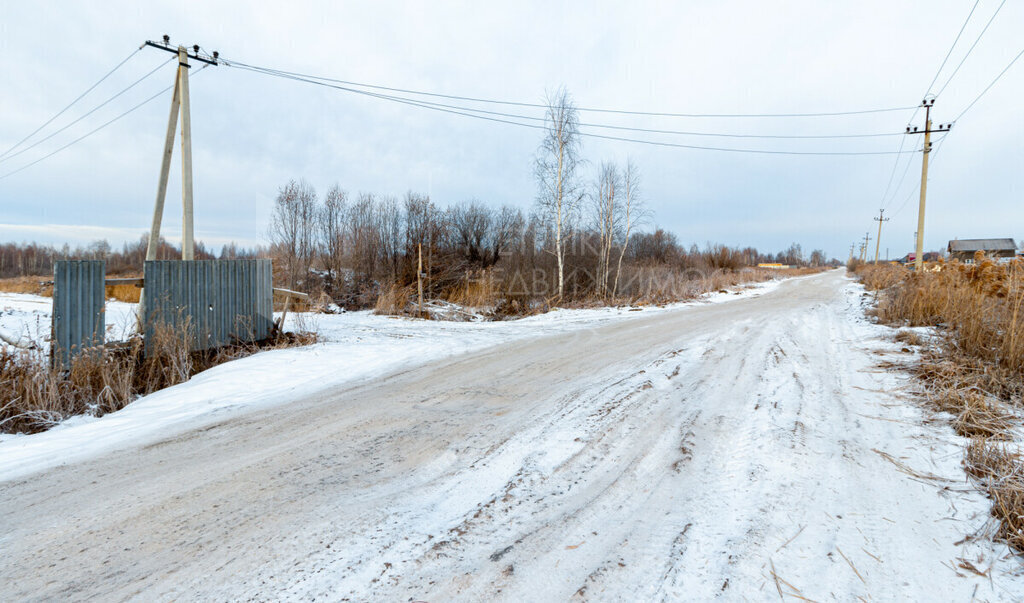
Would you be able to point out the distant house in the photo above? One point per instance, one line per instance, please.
(964, 249)
(929, 256)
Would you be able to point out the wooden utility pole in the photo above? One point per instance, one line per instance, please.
(919, 247)
(179, 106)
(878, 241)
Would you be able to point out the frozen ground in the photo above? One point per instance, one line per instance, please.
(25, 319)
(356, 346)
(744, 450)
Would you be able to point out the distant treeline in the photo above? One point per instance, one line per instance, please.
(33, 259)
(356, 248)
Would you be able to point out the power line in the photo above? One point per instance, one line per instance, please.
(957, 39)
(276, 72)
(896, 163)
(90, 112)
(1005, 69)
(892, 173)
(971, 49)
(541, 106)
(463, 112)
(78, 98)
(934, 154)
(903, 176)
(91, 132)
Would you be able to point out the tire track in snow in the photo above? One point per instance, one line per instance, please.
(671, 457)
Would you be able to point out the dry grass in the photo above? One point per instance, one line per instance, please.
(34, 396)
(908, 337)
(479, 290)
(997, 467)
(510, 295)
(26, 284)
(975, 371)
(976, 415)
(394, 299)
(124, 293)
(34, 286)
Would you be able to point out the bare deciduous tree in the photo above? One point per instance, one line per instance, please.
(555, 168)
(633, 212)
(605, 200)
(332, 231)
(292, 228)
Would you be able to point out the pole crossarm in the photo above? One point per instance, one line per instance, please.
(213, 59)
(926, 149)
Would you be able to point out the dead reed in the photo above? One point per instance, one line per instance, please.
(394, 299)
(34, 286)
(35, 396)
(975, 368)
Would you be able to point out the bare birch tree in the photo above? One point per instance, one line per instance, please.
(632, 209)
(555, 169)
(607, 218)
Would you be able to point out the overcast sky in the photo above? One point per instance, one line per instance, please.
(252, 133)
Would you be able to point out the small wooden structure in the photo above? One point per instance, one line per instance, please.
(964, 249)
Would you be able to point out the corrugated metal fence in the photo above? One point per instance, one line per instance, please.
(219, 301)
(78, 314)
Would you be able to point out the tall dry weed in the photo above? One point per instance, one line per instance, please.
(34, 396)
(976, 372)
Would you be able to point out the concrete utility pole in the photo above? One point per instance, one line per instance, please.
(878, 241)
(864, 247)
(179, 106)
(852, 245)
(188, 248)
(919, 247)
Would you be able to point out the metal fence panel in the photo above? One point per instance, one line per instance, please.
(78, 312)
(219, 301)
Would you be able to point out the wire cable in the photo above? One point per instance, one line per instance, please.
(595, 125)
(934, 154)
(541, 106)
(80, 97)
(993, 83)
(462, 112)
(91, 132)
(885, 196)
(971, 49)
(957, 39)
(90, 112)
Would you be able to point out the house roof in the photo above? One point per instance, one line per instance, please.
(970, 245)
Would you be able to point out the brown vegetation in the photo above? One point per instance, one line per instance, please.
(975, 368)
(37, 396)
(35, 286)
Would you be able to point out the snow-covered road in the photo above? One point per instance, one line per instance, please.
(741, 450)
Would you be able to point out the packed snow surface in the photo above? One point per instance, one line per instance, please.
(748, 450)
(355, 346)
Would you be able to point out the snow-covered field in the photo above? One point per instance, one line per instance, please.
(355, 346)
(26, 319)
(748, 450)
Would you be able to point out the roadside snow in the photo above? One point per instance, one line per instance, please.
(26, 319)
(355, 346)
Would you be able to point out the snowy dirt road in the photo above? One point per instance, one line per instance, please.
(744, 450)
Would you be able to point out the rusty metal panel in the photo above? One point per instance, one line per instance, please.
(219, 301)
(78, 310)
